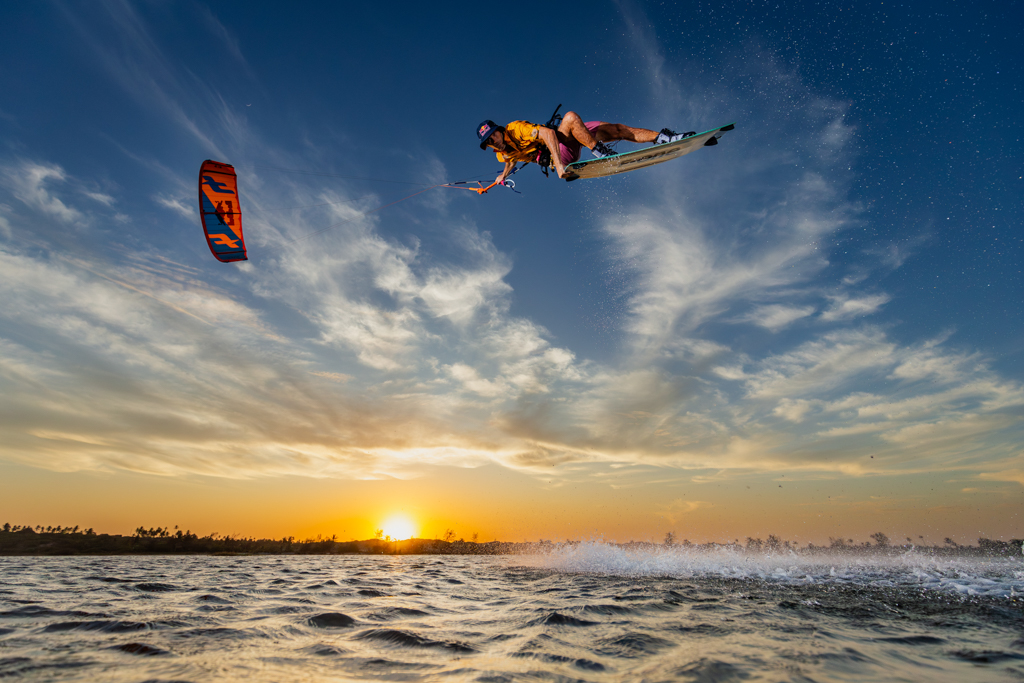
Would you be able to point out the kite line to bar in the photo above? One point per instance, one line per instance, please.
(456, 184)
(335, 175)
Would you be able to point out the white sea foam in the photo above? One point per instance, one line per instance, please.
(996, 577)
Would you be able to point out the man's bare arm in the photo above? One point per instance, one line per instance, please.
(509, 165)
(550, 139)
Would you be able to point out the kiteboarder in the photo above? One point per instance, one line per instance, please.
(522, 141)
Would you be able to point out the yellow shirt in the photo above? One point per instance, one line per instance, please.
(522, 142)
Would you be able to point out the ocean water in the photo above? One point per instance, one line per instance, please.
(590, 612)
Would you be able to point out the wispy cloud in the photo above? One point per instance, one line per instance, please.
(794, 410)
(32, 183)
(664, 89)
(135, 60)
(843, 308)
(178, 206)
(775, 317)
(225, 38)
(822, 365)
(1014, 475)
(100, 197)
(5, 224)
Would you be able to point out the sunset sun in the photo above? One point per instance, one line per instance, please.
(399, 528)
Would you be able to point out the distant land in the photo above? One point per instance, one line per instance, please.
(39, 540)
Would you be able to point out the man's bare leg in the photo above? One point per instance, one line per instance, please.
(610, 132)
(572, 126)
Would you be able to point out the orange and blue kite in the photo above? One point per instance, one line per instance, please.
(221, 212)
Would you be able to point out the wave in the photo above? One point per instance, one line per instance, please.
(155, 587)
(559, 619)
(990, 577)
(140, 649)
(389, 613)
(548, 658)
(105, 626)
(632, 645)
(331, 620)
(409, 639)
(40, 611)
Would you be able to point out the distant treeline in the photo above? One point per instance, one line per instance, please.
(39, 540)
(28, 540)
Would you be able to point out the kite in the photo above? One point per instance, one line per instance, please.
(220, 211)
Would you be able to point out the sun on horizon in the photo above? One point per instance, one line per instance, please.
(399, 528)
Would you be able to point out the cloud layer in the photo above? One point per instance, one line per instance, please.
(353, 353)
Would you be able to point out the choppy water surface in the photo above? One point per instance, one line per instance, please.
(590, 613)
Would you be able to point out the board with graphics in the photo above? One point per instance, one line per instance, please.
(648, 156)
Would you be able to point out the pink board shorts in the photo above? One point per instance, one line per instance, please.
(571, 152)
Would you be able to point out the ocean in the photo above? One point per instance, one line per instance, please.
(587, 612)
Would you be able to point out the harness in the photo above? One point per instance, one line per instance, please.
(544, 156)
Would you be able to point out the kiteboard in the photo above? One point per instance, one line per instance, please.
(648, 156)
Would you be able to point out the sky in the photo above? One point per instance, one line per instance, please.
(813, 329)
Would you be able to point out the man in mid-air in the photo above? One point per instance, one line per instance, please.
(522, 141)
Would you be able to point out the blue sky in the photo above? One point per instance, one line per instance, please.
(830, 297)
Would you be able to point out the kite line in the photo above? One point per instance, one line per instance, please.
(454, 185)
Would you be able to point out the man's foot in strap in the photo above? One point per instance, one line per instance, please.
(666, 135)
(602, 150)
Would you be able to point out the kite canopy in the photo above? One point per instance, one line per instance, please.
(221, 212)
